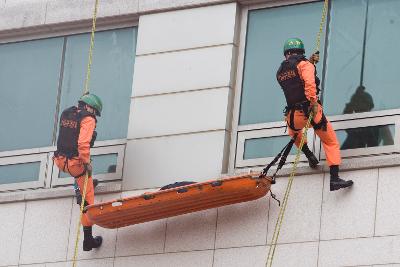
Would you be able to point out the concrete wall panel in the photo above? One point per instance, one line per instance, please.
(189, 232)
(46, 230)
(178, 113)
(12, 220)
(243, 224)
(387, 211)
(303, 213)
(159, 161)
(185, 29)
(350, 213)
(361, 251)
(182, 71)
(192, 259)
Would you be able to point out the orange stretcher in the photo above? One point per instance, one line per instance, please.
(180, 200)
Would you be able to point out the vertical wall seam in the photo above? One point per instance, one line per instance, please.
(165, 235)
(215, 238)
(70, 228)
(320, 217)
(22, 233)
(45, 13)
(268, 218)
(115, 245)
(376, 201)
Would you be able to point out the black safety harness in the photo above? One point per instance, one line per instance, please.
(67, 141)
(293, 87)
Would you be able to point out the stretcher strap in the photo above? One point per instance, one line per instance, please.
(282, 156)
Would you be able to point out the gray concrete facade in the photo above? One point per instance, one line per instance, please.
(181, 124)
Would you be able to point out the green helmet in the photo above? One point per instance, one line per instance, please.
(94, 101)
(293, 44)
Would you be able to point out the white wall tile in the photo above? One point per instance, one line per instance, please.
(179, 113)
(12, 219)
(182, 71)
(192, 259)
(302, 217)
(107, 262)
(73, 10)
(107, 248)
(46, 230)
(241, 257)
(139, 239)
(156, 162)
(361, 251)
(287, 255)
(296, 255)
(18, 14)
(349, 213)
(189, 28)
(152, 5)
(32, 265)
(194, 231)
(243, 224)
(144, 238)
(387, 211)
(387, 265)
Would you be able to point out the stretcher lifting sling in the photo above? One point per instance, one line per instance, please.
(180, 200)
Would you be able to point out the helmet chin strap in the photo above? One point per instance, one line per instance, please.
(90, 109)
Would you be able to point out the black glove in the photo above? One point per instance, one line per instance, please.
(94, 136)
(88, 168)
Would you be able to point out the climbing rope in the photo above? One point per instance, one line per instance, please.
(86, 91)
(282, 210)
(321, 25)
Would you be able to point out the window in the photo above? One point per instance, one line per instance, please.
(364, 101)
(358, 74)
(29, 75)
(261, 130)
(39, 79)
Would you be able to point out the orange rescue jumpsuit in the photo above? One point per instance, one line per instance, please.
(329, 141)
(75, 166)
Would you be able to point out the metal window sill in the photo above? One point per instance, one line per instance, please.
(59, 192)
(348, 164)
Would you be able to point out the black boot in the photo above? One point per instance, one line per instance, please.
(312, 160)
(336, 182)
(88, 241)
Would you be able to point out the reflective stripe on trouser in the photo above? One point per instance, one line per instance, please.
(75, 167)
(328, 137)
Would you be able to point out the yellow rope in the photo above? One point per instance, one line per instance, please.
(89, 65)
(321, 26)
(282, 210)
(86, 91)
(281, 214)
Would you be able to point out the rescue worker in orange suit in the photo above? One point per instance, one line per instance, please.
(76, 136)
(297, 77)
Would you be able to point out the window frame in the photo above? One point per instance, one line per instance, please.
(236, 128)
(48, 172)
(18, 158)
(368, 122)
(243, 136)
(339, 122)
(101, 148)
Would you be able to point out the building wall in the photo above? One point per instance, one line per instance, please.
(180, 127)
